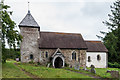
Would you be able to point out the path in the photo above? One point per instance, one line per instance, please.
(27, 73)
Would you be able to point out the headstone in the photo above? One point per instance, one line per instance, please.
(84, 68)
(77, 66)
(48, 65)
(70, 66)
(114, 74)
(17, 59)
(92, 70)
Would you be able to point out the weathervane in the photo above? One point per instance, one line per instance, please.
(28, 8)
(28, 5)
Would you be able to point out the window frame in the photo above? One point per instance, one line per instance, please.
(98, 57)
(74, 57)
(31, 56)
(89, 59)
(46, 54)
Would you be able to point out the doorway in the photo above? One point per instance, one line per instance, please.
(58, 62)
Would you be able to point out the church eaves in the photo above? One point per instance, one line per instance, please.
(28, 21)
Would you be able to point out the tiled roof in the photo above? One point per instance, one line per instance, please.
(61, 40)
(96, 46)
(28, 21)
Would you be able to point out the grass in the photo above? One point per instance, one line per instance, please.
(10, 70)
(101, 72)
(44, 72)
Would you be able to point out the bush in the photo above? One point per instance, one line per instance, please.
(38, 63)
(113, 65)
(66, 65)
(31, 62)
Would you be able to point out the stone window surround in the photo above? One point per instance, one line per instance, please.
(31, 56)
(46, 53)
(71, 55)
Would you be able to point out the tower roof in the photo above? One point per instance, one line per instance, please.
(28, 21)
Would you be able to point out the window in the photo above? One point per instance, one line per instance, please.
(89, 60)
(46, 55)
(98, 57)
(74, 55)
(31, 56)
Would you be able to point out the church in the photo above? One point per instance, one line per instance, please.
(58, 48)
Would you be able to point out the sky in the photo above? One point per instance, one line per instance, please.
(70, 16)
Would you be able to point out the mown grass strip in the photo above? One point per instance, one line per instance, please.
(10, 70)
(100, 72)
(44, 72)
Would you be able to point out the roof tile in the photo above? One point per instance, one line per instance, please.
(28, 21)
(61, 40)
(96, 46)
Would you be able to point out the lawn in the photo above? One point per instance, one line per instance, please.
(10, 70)
(43, 72)
(101, 72)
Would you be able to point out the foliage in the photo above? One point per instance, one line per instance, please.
(66, 65)
(113, 65)
(31, 62)
(11, 54)
(8, 31)
(112, 38)
(10, 70)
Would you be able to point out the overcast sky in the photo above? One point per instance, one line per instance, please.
(71, 16)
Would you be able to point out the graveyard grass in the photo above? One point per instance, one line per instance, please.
(100, 72)
(10, 70)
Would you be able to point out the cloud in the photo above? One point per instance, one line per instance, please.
(73, 16)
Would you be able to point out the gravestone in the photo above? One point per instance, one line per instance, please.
(114, 74)
(77, 66)
(17, 59)
(48, 65)
(92, 70)
(84, 68)
(70, 66)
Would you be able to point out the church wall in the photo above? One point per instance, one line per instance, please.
(29, 44)
(80, 56)
(102, 63)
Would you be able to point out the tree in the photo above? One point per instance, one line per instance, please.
(112, 38)
(8, 31)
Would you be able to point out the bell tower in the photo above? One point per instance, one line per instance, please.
(30, 31)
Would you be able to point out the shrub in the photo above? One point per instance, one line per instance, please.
(38, 63)
(113, 65)
(31, 62)
(66, 65)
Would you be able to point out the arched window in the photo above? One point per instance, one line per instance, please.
(74, 55)
(31, 56)
(89, 60)
(46, 55)
(98, 57)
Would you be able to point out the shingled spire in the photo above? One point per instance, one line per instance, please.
(28, 21)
